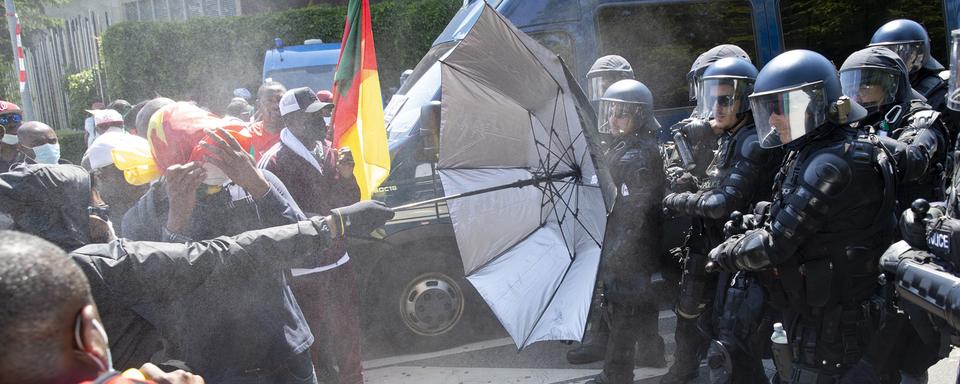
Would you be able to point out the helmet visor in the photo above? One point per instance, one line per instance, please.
(723, 97)
(785, 115)
(870, 87)
(597, 85)
(953, 95)
(618, 117)
(911, 52)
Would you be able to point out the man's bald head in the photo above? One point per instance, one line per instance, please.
(43, 291)
(35, 133)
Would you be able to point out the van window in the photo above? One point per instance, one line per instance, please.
(560, 43)
(661, 41)
(837, 29)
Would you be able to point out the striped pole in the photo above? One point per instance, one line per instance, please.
(19, 61)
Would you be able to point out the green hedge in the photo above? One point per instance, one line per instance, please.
(72, 145)
(82, 92)
(204, 59)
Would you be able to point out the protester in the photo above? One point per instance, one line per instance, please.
(106, 120)
(132, 278)
(320, 178)
(239, 110)
(90, 126)
(265, 131)
(194, 147)
(130, 118)
(118, 193)
(39, 144)
(146, 112)
(120, 105)
(49, 325)
(10, 119)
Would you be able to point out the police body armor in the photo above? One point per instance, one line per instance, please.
(830, 220)
(921, 160)
(738, 176)
(631, 251)
(631, 243)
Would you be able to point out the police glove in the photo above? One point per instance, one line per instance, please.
(724, 256)
(696, 130)
(682, 181)
(360, 218)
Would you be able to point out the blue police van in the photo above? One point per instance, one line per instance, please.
(413, 290)
(311, 64)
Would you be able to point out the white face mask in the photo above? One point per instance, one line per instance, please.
(215, 176)
(47, 153)
(326, 120)
(10, 139)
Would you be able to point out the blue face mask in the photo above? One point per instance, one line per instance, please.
(47, 153)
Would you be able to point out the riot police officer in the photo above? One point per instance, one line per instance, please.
(631, 242)
(696, 130)
(877, 79)
(739, 175)
(912, 43)
(831, 217)
(909, 40)
(604, 72)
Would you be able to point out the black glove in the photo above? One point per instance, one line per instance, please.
(724, 256)
(359, 219)
(697, 130)
(682, 181)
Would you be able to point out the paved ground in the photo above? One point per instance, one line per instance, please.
(496, 360)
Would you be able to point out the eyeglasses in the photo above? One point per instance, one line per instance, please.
(13, 117)
(725, 101)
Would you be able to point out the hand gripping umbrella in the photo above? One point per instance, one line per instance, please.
(523, 191)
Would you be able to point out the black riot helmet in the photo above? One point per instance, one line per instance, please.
(909, 40)
(796, 94)
(606, 71)
(725, 84)
(626, 108)
(876, 78)
(709, 57)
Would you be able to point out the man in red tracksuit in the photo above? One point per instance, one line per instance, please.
(319, 178)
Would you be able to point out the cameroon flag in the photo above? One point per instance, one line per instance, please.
(358, 115)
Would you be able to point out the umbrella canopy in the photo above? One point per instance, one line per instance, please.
(511, 111)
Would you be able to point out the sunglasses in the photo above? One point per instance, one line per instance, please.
(725, 101)
(13, 117)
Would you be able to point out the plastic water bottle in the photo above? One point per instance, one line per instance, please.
(782, 353)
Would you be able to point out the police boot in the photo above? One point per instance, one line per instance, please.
(650, 346)
(686, 362)
(594, 344)
(650, 353)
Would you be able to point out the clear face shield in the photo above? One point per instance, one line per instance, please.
(723, 98)
(618, 118)
(953, 95)
(784, 115)
(870, 87)
(911, 52)
(597, 85)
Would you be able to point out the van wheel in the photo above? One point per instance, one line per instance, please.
(426, 302)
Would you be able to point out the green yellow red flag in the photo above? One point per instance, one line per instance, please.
(358, 115)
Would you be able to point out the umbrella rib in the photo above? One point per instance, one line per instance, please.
(499, 255)
(559, 218)
(576, 216)
(553, 130)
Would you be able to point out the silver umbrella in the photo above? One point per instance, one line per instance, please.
(522, 187)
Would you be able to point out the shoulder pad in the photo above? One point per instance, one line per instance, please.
(923, 118)
(945, 75)
(828, 173)
(750, 146)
